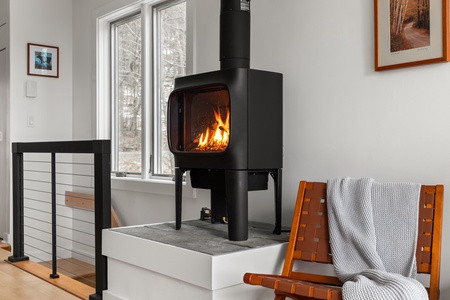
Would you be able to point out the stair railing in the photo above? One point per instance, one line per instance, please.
(101, 149)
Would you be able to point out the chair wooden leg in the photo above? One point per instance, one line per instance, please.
(279, 297)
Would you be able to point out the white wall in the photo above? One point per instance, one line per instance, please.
(48, 22)
(340, 117)
(4, 134)
(4, 170)
(4, 5)
(83, 69)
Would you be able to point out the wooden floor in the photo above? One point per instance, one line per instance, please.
(75, 269)
(16, 284)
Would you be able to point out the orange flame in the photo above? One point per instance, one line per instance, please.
(216, 139)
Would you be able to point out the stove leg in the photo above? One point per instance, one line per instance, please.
(277, 178)
(236, 182)
(178, 196)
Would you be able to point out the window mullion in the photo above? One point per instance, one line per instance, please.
(113, 106)
(147, 87)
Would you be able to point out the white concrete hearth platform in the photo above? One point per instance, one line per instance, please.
(197, 262)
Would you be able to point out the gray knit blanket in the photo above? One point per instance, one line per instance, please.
(373, 238)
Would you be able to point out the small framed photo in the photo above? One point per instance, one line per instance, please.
(410, 33)
(43, 60)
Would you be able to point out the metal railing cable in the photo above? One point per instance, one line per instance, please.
(49, 226)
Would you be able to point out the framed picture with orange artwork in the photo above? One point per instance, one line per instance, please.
(410, 33)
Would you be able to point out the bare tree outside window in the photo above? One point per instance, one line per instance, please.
(169, 53)
(171, 64)
(128, 95)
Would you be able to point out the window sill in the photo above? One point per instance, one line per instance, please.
(152, 186)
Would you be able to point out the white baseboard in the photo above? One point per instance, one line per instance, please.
(6, 237)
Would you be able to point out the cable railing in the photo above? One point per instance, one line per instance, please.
(74, 229)
(56, 185)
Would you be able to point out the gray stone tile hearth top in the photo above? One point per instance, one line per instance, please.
(204, 237)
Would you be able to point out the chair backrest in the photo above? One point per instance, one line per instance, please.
(309, 240)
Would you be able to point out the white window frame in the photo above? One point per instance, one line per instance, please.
(103, 90)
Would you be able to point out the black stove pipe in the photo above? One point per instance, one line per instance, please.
(235, 34)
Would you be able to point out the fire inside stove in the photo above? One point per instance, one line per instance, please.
(200, 120)
(217, 134)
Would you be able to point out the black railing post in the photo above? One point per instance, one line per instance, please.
(102, 161)
(18, 214)
(54, 254)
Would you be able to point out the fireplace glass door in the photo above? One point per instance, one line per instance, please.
(199, 119)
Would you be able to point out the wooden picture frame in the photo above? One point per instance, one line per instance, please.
(43, 60)
(409, 36)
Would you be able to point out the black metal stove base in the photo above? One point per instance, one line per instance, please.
(229, 196)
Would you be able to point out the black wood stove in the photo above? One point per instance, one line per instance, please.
(226, 127)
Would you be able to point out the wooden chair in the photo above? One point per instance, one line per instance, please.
(309, 242)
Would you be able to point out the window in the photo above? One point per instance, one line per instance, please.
(170, 63)
(148, 51)
(127, 94)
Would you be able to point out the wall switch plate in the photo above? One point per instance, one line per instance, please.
(30, 121)
(1, 136)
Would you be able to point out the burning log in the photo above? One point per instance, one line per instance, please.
(216, 138)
